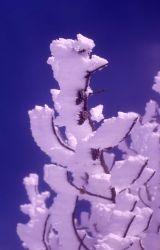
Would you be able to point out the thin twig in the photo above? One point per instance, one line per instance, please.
(83, 190)
(58, 137)
(103, 163)
(134, 205)
(150, 178)
(158, 228)
(131, 244)
(134, 122)
(140, 172)
(81, 241)
(141, 246)
(82, 96)
(149, 197)
(128, 226)
(140, 197)
(98, 92)
(147, 226)
(47, 247)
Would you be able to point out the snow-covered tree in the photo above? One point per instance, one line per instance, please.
(122, 195)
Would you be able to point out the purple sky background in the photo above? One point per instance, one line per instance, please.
(126, 33)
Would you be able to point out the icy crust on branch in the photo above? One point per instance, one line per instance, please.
(120, 189)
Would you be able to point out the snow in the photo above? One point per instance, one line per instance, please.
(37, 211)
(114, 129)
(83, 43)
(96, 113)
(156, 86)
(151, 241)
(141, 221)
(150, 111)
(58, 174)
(125, 201)
(127, 172)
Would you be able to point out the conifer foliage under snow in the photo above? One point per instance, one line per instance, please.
(123, 195)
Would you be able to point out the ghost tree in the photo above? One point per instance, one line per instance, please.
(123, 194)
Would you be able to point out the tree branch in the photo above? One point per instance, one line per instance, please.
(47, 247)
(131, 127)
(140, 172)
(147, 226)
(103, 163)
(82, 190)
(140, 197)
(134, 205)
(81, 241)
(58, 137)
(150, 178)
(128, 226)
(141, 246)
(131, 244)
(83, 97)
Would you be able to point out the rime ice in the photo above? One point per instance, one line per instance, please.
(123, 195)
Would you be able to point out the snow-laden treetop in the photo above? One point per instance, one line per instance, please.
(68, 66)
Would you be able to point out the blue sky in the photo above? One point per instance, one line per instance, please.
(127, 33)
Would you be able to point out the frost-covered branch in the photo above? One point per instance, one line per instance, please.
(121, 195)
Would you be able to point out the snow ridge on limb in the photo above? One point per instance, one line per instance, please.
(115, 130)
(121, 192)
(47, 136)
